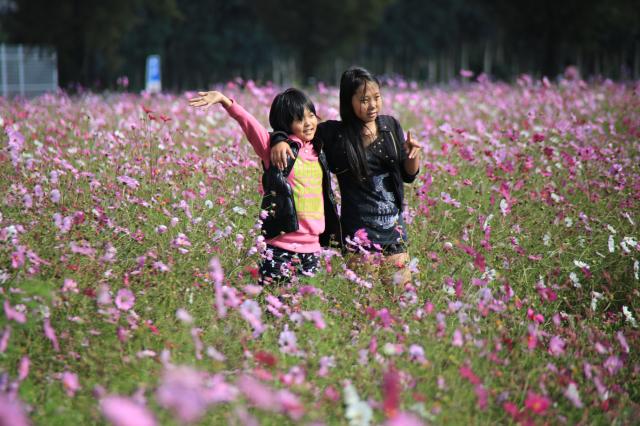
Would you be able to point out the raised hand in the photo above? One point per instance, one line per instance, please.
(412, 147)
(279, 154)
(206, 99)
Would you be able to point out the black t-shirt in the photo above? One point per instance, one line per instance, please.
(373, 204)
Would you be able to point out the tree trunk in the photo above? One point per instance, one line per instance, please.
(432, 70)
(487, 59)
(636, 62)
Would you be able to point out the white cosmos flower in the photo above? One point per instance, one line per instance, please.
(611, 229)
(546, 240)
(358, 412)
(629, 218)
(629, 317)
(568, 222)
(574, 280)
(580, 264)
(623, 245)
(594, 299)
(486, 221)
(449, 290)
(239, 210)
(612, 244)
(573, 395)
(504, 205)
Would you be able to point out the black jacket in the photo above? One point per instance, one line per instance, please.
(280, 206)
(331, 136)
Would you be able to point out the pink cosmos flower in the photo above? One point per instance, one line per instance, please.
(511, 409)
(125, 299)
(468, 374)
(69, 285)
(532, 337)
(23, 368)
(482, 396)
(361, 237)
(416, 353)
(55, 196)
(315, 317)
(288, 341)
(613, 364)
(129, 181)
(188, 392)
(404, 419)
(70, 383)
(326, 362)
(11, 412)
(83, 248)
(538, 404)
(184, 316)
(391, 392)
(121, 411)
(160, 266)
(260, 395)
(4, 340)
(252, 313)
(622, 341)
(290, 404)
(13, 314)
(216, 273)
(252, 290)
(572, 395)
(556, 346)
(466, 73)
(50, 334)
(457, 340)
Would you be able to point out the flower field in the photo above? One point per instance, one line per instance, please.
(129, 240)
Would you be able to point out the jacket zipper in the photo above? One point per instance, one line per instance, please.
(395, 149)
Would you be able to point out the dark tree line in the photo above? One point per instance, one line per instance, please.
(204, 41)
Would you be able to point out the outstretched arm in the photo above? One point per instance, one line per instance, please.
(256, 134)
(205, 99)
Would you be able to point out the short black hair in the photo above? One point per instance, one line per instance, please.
(288, 106)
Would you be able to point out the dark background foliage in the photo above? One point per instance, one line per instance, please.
(206, 41)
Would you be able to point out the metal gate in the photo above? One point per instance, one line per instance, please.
(27, 70)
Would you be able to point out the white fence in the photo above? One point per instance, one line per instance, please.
(27, 70)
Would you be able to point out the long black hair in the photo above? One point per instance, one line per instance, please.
(288, 106)
(350, 82)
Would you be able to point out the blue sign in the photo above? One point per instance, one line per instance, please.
(154, 79)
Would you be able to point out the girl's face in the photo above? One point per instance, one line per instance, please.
(305, 129)
(367, 102)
